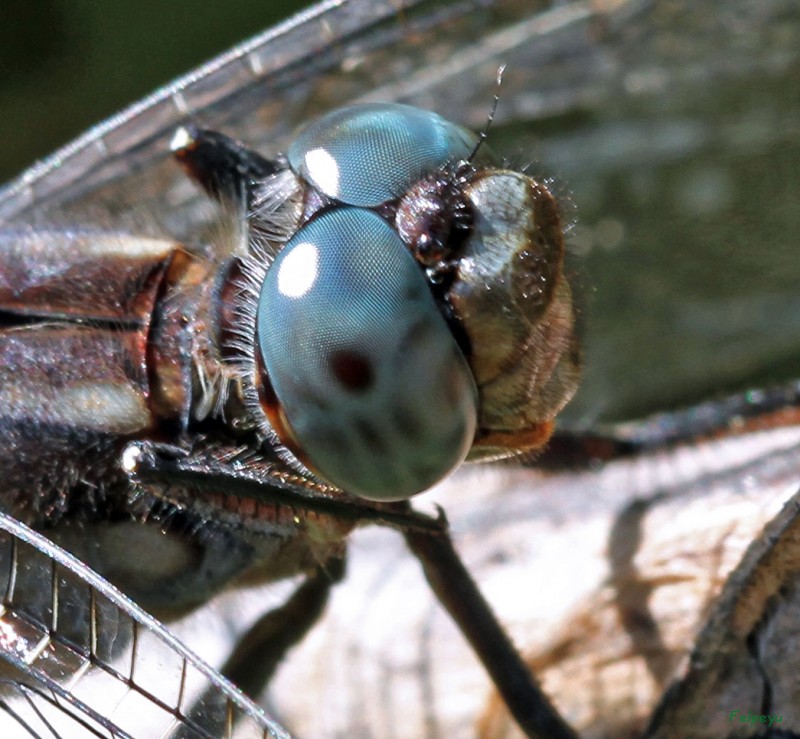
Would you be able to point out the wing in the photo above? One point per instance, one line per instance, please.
(263, 89)
(80, 658)
(685, 200)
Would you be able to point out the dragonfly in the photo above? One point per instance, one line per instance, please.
(652, 162)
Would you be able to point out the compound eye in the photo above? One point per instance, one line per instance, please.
(368, 154)
(374, 393)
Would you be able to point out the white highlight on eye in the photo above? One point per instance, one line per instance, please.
(298, 270)
(323, 170)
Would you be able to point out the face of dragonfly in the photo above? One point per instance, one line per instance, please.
(679, 156)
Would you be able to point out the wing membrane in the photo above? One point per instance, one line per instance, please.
(674, 127)
(86, 659)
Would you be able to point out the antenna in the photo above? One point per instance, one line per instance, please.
(485, 130)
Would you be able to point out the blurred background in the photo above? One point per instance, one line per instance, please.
(65, 66)
(671, 133)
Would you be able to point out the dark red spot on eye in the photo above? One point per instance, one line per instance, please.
(352, 370)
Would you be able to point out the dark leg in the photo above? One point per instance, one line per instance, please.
(742, 413)
(255, 658)
(258, 654)
(458, 593)
(427, 537)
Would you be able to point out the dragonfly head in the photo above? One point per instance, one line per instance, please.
(418, 315)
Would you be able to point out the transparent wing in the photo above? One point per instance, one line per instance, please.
(673, 128)
(262, 89)
(81, 659)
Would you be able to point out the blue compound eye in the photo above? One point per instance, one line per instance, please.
(367, 154)
(375, 392)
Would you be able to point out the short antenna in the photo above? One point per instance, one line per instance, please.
(485, 130)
